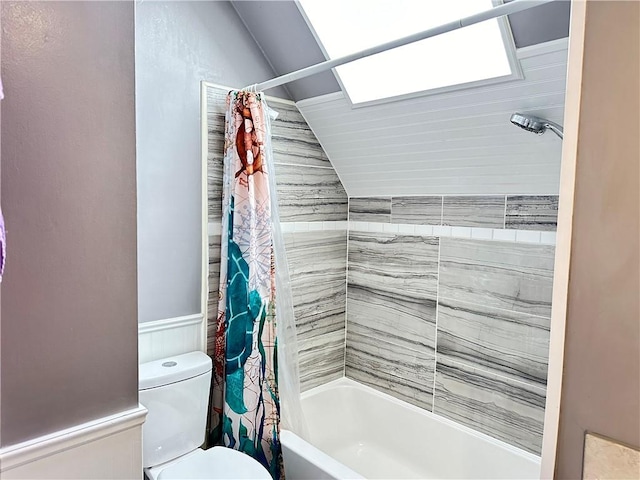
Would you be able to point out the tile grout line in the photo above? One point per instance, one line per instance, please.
(303, 166)
(442, 210)
(504, 217)
(435, 339)
(346, 286)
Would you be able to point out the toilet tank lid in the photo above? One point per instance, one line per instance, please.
(173, 369)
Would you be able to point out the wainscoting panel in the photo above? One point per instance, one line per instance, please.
(173, 336)
(108, 447)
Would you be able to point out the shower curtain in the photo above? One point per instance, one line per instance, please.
(246, 409)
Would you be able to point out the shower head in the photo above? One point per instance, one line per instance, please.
(534, 124)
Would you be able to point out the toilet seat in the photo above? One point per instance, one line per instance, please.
(215, 463)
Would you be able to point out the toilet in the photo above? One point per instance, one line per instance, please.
(175, 391)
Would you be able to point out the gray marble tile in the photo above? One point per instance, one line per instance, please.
(511, 344)
(404, 373)
(215, 154)
(318, 270)
(310, 194)
(293, 142)
(532, 212)
(404, 321)
(502, 408)
(321, 359)
(510, 276)
(391, 293)
(417, 210)
(214, 282)
(474, 211)
(400, 265)
(370, 209)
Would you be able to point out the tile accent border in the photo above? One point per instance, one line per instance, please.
(476, 233)
(510, 212)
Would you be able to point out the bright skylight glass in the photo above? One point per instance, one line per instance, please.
(466, 55)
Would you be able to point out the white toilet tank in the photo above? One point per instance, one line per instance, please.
(175, 390)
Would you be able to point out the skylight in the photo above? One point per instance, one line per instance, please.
(470, 54)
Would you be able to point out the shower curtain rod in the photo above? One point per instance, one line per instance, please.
(501, 10)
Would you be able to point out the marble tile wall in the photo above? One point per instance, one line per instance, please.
(515, 212)
(459, 326)
(311, 195)
(446, 299)
(494, 309)
(391, 298)
(531, 212)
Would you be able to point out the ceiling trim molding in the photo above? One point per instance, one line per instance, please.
(543, 48)
(328, 98)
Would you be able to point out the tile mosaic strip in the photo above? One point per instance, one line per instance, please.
(321, 359)
(417, 210)
(474, 211)
(532, 212)
(513, 277)
(401, 372)
(310, 194)
(318, 271)
(510, 344)
(502, 408)
(372, 209)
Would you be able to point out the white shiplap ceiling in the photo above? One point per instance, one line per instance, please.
(458, 142)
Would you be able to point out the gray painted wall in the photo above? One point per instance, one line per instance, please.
(178, 44)
(69, 343)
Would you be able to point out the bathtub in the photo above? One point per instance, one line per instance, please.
(358, 432)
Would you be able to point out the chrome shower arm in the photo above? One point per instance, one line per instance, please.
(555, 128)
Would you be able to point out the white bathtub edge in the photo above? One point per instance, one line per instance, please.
(317, 457)
(347, 382)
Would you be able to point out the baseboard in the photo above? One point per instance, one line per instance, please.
(108, 447)
(171, 336)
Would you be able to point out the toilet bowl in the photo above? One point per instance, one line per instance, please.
(215, 463)
(175, 392)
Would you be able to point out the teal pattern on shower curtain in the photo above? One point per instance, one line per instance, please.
(246, 405)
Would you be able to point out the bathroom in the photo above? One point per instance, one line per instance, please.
(110, 235)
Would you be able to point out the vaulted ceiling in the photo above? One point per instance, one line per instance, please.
(288, 44)
(457, 142)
